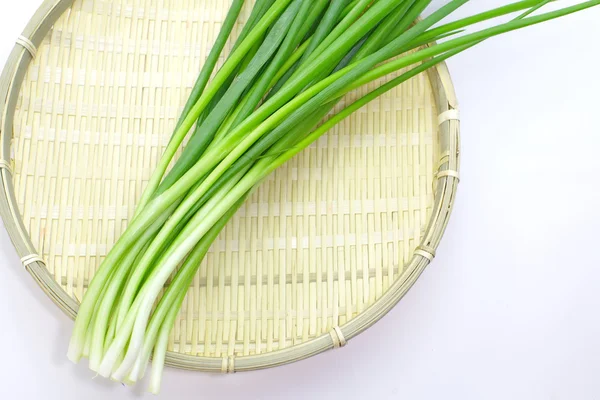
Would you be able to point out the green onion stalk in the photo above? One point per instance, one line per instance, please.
(291, 65)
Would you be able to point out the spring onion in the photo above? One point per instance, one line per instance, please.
(276, 93)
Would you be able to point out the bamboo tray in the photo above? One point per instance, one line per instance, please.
(320, 252)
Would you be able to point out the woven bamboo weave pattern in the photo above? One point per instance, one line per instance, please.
(319, 242)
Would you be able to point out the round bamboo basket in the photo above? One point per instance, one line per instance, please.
(319, 253)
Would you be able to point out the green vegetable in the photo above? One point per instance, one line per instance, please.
(293, 62)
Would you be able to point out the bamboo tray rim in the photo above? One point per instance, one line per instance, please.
(444, 194)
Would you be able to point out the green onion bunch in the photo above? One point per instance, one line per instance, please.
(275, 94)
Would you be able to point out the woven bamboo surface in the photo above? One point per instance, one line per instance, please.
(324, 248)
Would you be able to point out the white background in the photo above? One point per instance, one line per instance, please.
(510, 307)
